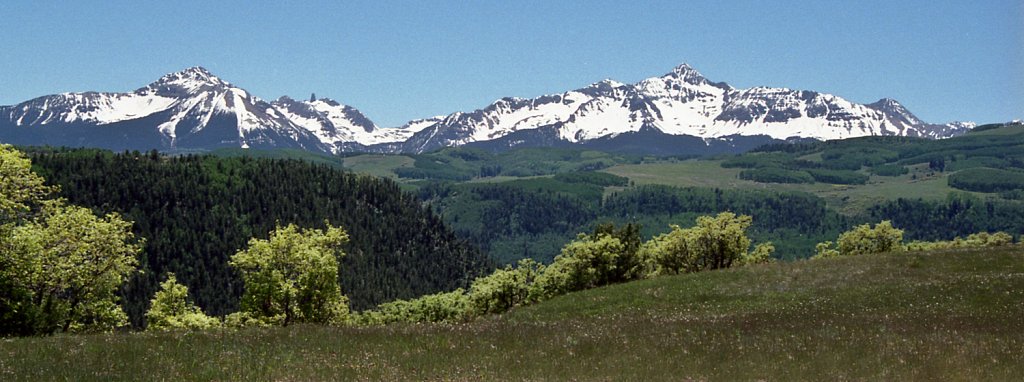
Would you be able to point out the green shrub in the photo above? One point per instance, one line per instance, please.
(293, 276)
(862, 240)
(584, 263)
(171, 309)
(505, 288)
(451, 306)
(715, 242)
(981, 239)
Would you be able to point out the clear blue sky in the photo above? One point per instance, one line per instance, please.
(395, 61)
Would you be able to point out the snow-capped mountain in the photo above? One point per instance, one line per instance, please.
(191, 109)
(682, 102)
(681, 110)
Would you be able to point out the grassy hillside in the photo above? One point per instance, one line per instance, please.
(949, 315)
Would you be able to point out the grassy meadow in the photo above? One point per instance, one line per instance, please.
(846, 198)
(377, 165)
(945, 315)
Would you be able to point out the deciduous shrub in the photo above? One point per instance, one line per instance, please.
(863, 239)
(451, 306)
(293, 276)
(171, 309)
(64, 268)
(505, 288)
(981, 239)
(584, 263)
(714, 243)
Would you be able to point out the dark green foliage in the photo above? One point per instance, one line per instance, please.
(305, 155)
(1012, 195)
(770, 210)
(462, 163)
(987, 180)
(997, 150)
(776, 175)
(998, 147)
(803, 147)
(511, 221)
(990, 126)
(837, 176)
(589, 177)
(994, 126)
(196, 211)
(857, 156)
(552, 185)
(956, 216)
(888, 170)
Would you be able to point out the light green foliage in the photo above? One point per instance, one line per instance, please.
(981, 239)
(293, 276)
(20, 188)
(825, 250)
(864, 239)
(715, 242)
(451, 306)
(70, 263)
(628, 264)
(505, 288)
(761, 254)
(670, 253)
(171, 309)
(584, 263)
(249, 320)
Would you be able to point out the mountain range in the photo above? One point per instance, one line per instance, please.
(681, 112)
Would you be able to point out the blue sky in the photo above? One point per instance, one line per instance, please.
(398, 60)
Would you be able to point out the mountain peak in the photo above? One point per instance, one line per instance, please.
(684, 67)
(686, 73)
(888, 105)
(608, 82)
(893, 108)
(188, 80)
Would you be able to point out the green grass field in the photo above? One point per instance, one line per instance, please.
(844, 198)
(949, 315)
(377, 164)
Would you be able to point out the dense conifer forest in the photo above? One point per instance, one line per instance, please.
(194, 212)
